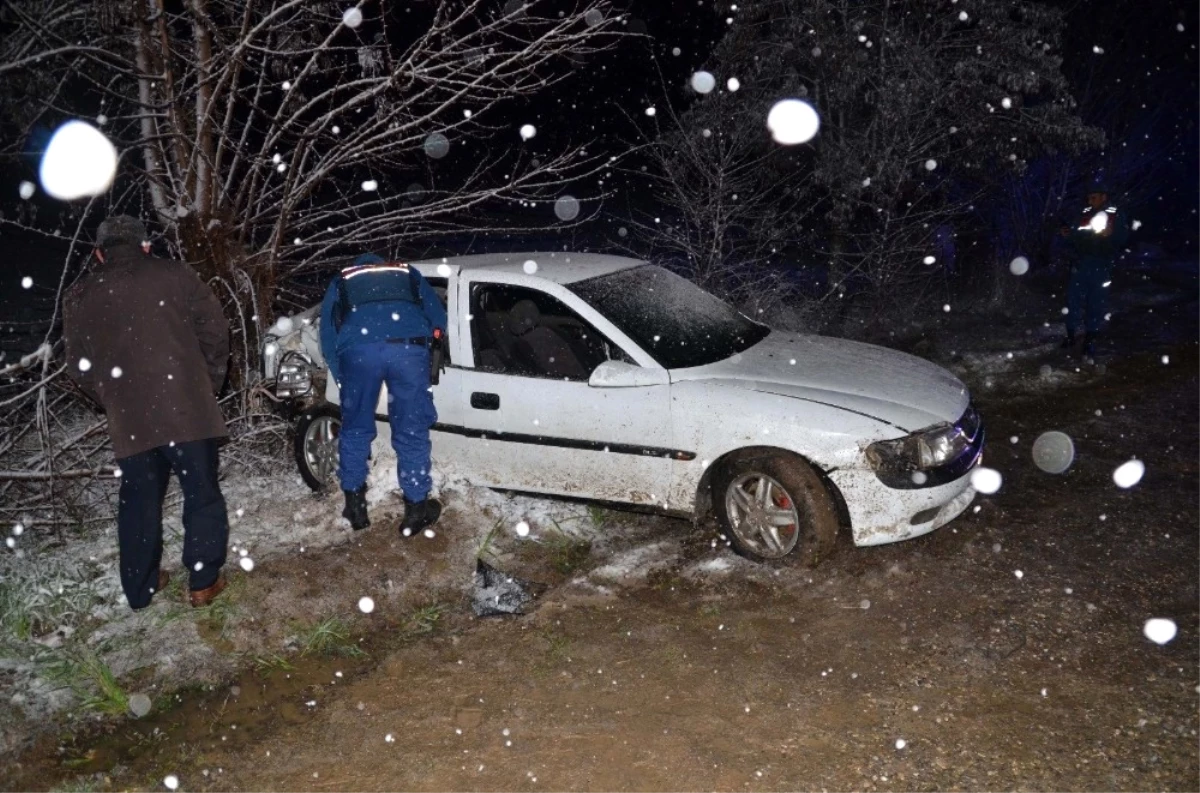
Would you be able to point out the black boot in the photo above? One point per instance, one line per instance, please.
(355, 510)
(418, 515)
(1068, 342)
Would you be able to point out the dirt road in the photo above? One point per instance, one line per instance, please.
(1003, 652)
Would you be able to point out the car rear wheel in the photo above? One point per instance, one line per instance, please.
(772, 506)
(316, 446)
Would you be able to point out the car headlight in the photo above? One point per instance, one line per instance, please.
(295, 375)
(921, 451)
(939, 446)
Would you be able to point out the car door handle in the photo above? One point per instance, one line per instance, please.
(484, 401)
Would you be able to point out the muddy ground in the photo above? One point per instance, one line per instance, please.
(1003, 652)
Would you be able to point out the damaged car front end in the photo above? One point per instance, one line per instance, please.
(295, 380)
(916, 483)
(293, 369)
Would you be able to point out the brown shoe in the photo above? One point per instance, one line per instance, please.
(164, 578)
(202, 597)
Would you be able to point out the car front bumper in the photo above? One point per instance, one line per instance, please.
(880, 514)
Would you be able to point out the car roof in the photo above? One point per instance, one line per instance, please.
(562, 267)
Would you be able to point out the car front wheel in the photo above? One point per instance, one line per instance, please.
(772, 505)
(316, 446)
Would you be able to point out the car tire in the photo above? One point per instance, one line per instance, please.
(315, 446)
(793, 490)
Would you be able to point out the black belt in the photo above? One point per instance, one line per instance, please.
(421, 340)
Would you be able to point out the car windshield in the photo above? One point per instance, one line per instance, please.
(669, 317)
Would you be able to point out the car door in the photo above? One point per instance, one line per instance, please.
(526, 399)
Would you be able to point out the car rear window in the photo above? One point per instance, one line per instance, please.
(669, 317)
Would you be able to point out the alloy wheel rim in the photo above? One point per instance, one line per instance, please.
(321, 449)
(763, 515)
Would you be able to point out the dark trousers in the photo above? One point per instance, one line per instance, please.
(144, 480)
(1087, 298)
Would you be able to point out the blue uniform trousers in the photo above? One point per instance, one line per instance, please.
(405, 368)
(1087, 297)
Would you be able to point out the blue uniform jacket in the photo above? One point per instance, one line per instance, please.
(375, 320)
(1092, 251)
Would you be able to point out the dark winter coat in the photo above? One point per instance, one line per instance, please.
(147, 340)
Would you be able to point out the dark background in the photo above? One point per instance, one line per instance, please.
(1148, 68)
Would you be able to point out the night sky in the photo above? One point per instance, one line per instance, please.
(1136, 47)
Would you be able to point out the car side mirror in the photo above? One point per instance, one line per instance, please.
(618, 374)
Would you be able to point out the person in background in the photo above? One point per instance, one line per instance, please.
(378, 320)
(1095, 242)
(147, 340)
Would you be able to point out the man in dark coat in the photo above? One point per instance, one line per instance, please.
(147, 339)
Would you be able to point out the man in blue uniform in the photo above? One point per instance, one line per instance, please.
(377, 323)
(1095, 242)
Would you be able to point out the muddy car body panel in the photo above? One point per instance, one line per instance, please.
(547, 392)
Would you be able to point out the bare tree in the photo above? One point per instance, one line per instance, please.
(265, 136)
(920, 104)
(249, 129)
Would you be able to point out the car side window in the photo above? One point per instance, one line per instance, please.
(521, 331)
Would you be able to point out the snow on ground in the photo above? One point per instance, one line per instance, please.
(64, 603)
(70, 596)
(637, 563)
(61, 602)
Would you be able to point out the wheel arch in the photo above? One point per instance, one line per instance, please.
(704, 495)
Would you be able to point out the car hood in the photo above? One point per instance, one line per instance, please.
(893, 387)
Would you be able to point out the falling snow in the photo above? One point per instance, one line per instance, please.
(793, 121)
(79, 162)
(1159, 630)
(703, 82)
(986, 480)
(1129, 474)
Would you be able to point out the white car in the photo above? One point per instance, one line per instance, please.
(608, 378)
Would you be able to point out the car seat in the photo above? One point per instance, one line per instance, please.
(537, 348)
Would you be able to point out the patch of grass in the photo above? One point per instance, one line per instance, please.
(174, 591)
(330, 636)
(567, 553)
(81, 784)
(486, 550)
(558, 645)
(674, 654)
(710, 610)
(264, 665)
(38, 596)
(660, 579)
(598, 515)
(92, 681)
(424, 620)
(15, 617)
